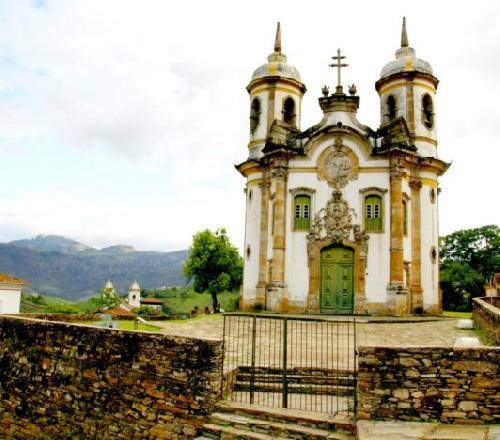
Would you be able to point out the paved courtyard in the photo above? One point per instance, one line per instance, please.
(423, 332)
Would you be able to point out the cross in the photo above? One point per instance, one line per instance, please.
(338, 65)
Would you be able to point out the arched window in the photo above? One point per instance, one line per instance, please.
(289, 111)
(427, 111)
(373, 213)
(254, 114)
(405, 217)
(302, 212)
(391, 107)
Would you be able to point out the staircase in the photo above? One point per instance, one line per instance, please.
(249, 422)
(311, 381)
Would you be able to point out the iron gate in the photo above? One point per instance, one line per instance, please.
(289, 362)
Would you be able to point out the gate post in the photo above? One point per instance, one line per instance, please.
(252, 370)
(285, 356)
(222, 393)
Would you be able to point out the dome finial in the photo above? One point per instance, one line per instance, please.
(404, 35)
(277, 40)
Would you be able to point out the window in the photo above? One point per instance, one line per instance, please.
(427, 111)
(302, 212)
(289, 111)
(432, 195)
(248, 252)
(405, 217)
(254, 114)
(434, 254)
(373, 213)
(391, 107)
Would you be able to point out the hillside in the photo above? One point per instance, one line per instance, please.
(65, 268)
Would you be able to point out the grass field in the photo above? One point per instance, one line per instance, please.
(465, 315)
(127, 325)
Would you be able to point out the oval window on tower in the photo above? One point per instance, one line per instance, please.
(254, 114)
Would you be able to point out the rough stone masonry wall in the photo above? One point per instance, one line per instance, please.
(487, 317)
(442, 384)
(60, 380)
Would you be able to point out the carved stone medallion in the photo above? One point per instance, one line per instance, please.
(337, 167)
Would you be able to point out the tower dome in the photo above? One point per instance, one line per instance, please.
(276, 65)
(406, 59)
(109, 285)
(135, 286)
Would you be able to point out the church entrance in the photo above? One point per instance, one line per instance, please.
(337, 280)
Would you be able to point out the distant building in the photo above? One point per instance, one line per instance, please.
(134, 295)
(493, 288)
(153, 303)
(10, 293)
(109, 285)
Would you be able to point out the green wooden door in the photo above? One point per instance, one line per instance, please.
(337, 281)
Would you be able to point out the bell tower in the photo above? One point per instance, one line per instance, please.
(407, 88)
(276, 91)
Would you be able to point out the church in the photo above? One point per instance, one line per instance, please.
(342, 218)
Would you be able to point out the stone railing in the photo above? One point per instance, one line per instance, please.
(486, 315)
(440, 384)
(59, 380)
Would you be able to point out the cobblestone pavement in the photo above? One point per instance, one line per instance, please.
(425, 431)
(424, 332)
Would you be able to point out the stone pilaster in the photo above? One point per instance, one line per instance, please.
(260, 297)
(397, 291)
(417, 302)
(277, 299)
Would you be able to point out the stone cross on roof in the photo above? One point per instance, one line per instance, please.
(339, 66)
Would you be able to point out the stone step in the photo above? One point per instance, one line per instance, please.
(340, 422)
(276, 429)
(329, 390)
(317, 380)
(231, 433)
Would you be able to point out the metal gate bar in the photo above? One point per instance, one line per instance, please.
(290, 362)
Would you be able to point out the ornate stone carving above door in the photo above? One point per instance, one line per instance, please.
(338, 165)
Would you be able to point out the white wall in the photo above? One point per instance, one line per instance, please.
(252, 239)
(10, 300)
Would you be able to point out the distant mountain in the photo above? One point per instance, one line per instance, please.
(52, 243)
(62, 267)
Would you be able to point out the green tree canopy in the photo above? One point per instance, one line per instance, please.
(213, 264)
(469, 258)
(108, 297)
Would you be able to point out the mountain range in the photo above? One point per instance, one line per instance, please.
(59, 266)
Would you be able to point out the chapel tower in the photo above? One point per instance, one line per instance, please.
(407, 88)
(134, 295)
(276, 91)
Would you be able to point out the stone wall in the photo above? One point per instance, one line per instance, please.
(486, 315)
(60, 380)
(442, 384)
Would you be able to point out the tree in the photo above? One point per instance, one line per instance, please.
(469, 258)
(213, 264)
(108, 297)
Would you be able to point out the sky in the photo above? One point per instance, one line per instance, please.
(121, 121)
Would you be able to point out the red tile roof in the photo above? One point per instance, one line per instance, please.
(151, 301)
(8, 279)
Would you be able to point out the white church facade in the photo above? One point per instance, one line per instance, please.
(342, 218)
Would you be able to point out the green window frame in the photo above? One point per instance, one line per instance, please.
(373, 213)
(302, 212)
